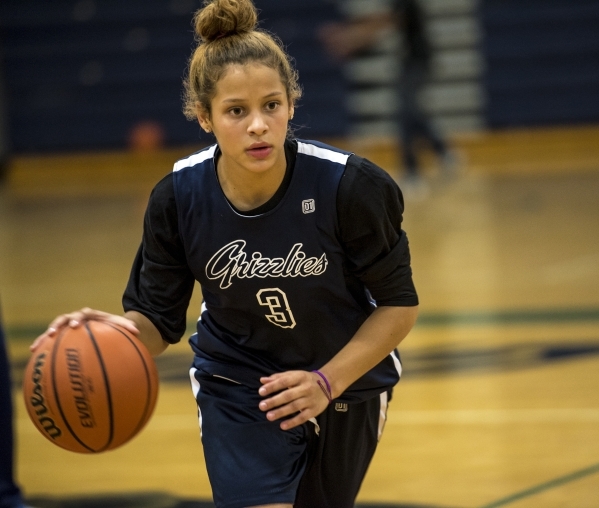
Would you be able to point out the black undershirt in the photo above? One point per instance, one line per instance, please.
(369, 210)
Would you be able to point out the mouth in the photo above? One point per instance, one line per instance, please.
(260, 150)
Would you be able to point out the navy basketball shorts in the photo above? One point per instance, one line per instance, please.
(251, 461)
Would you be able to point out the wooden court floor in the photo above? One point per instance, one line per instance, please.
(499, 402)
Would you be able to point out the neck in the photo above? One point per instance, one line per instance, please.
(247, 190)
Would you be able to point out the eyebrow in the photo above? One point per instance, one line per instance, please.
(272, 94)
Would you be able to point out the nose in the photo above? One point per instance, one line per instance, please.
(257, 125)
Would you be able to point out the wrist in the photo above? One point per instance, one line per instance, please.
(323, 383)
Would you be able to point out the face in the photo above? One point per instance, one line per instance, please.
(249, 116)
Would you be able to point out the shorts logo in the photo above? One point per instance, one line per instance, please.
(342, 407)
(308, 206)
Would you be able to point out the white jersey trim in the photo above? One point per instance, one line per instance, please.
(195, 388)
(384, 401)
(397, 363)
(305, 148)
(196, 158)
(322, 153)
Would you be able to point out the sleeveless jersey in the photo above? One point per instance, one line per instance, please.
(274, 285)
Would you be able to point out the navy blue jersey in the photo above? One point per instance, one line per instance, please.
(274, 289)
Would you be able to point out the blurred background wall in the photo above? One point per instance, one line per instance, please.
(541, 59)
(96, 74)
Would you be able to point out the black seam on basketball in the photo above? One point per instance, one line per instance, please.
(107, 385)
(144, 418)
(56, 396)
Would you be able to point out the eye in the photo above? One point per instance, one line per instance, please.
(236, 111)
(272, 105)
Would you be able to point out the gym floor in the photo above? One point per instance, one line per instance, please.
(498, 405)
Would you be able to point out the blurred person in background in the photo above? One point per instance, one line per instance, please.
(10, 494)
(350, 38)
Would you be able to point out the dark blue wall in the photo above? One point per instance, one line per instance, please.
(81, 74)
(542, 60)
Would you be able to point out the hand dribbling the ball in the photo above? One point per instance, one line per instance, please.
(78, 318)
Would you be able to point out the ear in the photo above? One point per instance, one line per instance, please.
(291, 112)
(203, 118)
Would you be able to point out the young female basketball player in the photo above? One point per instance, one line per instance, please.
(305, 275)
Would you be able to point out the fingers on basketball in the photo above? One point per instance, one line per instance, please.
(91, 389)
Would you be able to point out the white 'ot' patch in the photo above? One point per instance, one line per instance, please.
(308, 205)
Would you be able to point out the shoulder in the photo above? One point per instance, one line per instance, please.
(365, 182)
(363, 169)
(163, 190)
(164, 194)
(195, 159)
(322, 151)
(162, 201)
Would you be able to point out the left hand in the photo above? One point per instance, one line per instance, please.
(296, 393)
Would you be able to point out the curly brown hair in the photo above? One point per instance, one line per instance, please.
(227, 34)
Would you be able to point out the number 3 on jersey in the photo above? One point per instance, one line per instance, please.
(278, 306)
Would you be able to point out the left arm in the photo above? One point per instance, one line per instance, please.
(378, 336)
(370, 210)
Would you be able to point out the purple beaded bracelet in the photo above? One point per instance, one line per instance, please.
(326, 390)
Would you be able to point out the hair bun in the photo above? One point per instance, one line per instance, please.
(220, 18)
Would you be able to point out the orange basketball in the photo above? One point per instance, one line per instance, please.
(92, 388)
